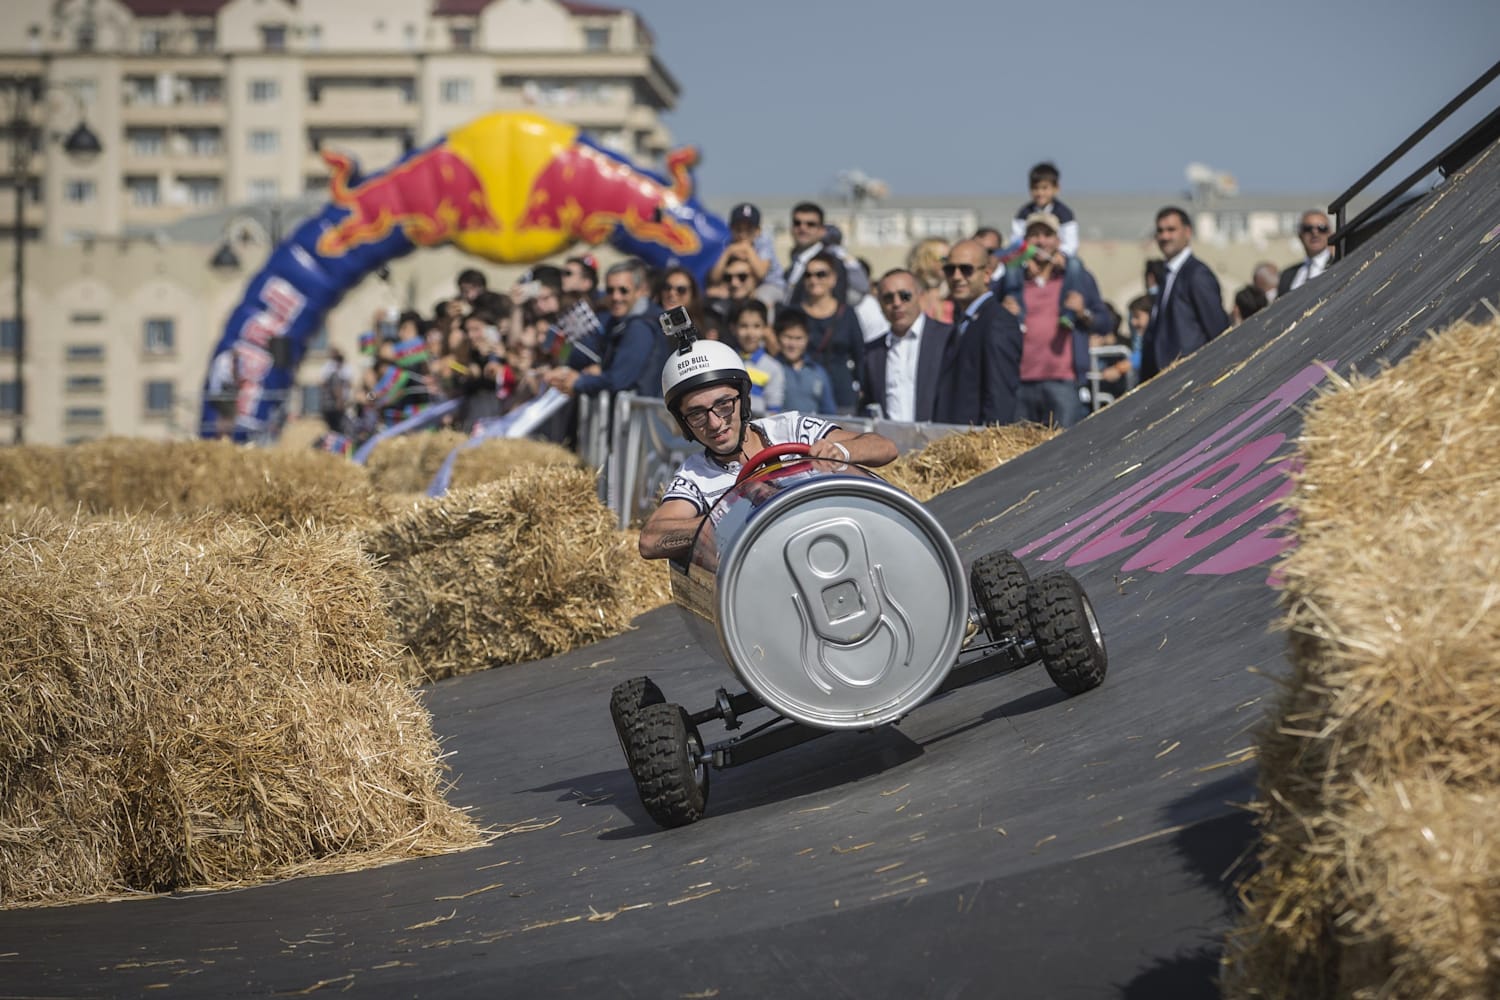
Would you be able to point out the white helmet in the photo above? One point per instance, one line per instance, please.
(704, 362)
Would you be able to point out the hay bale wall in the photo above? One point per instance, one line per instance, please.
(516, 570)
(1379, 871)
(189, 708)
(954, 460)
(406, 464)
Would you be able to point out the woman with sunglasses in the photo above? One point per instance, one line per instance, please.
(835, 339)
(676, 286)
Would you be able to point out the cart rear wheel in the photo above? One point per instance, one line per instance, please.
(1067, 633)
(1000, 584)
(664, 750)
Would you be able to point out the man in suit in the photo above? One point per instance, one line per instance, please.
(904, 368)
(1316, 252)
(1190, 308)
(983, 363)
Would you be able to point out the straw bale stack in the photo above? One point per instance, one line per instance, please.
(407, 463)
(496, 458)
(505, 572)
(189, 709)
(958, 458)
(33, 475)
(1379, 869)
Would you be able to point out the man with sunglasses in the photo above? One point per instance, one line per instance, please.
(904, 367)
(620, 359)
(810, 238)
(707, 390)
(983, 362)
(1313, 232)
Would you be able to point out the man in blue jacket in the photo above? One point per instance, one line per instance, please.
(1056, 300)
(619, 359)
(1189, 311)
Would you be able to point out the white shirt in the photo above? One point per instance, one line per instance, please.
(1311, 268)
(1173, 266)
(701, 481)
(901, 372)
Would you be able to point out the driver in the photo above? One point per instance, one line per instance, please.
(707, 391)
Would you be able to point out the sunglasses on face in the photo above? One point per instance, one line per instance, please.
(619, 290)
(804, 223)
(1309, 228)
(820, 274)
(679, 289)
(967, 270)
(737, 275)
(697, 418)
(889, 298)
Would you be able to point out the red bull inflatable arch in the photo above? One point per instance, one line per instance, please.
(509, 187)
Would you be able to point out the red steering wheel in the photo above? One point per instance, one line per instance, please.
(767, 455)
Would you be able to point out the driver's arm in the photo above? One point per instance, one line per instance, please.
(670, 529)
(868, 448)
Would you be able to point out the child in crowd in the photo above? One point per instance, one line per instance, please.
(1045, 183)
(808, 387)
(767, 380)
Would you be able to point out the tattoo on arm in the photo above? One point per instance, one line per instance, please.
(676, 540)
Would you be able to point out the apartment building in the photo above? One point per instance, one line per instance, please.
(205, 106)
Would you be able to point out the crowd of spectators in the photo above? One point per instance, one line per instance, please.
(1001, 327)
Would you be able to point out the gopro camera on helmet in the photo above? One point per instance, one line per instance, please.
(676, 323)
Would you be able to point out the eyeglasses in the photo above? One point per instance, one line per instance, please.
(678, 289)
(805, 223)
(737, 275)
(697, 418)
(619, 290)
(967, 270)
(1309, 228)
(889, 298)
(822, 274)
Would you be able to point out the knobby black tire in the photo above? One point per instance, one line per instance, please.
(665, 746)
(626, 702)
(1000, 584)
(1067, 633)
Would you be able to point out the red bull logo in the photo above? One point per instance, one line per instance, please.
(586, 194)
(432, 196)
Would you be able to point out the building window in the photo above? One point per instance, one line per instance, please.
(8, 338)
(596, 39)
(85, 383)
(161, 335)
(202, 190)
(85, 352)
(203, 141)
(462, 39)
(153, 41)
(79, 191)
(140, 90)
(86, 37)
(457, 91)
(409, 35)
(206, 90)
(160, 397)
(145, 141)
(319, 340)
(311, 397)
(264, 91)
(205, 40)
(145, 192)
(84, 415)
(8, 396)
(264, 189)
(265, 141)
(273, 37)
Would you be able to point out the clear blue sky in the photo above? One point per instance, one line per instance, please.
(948, 97)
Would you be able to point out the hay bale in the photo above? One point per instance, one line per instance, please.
(494, 459)
(506, 572)
(194, 709)
(32, 475)
(1394, 616)
(954, 460)
(406, 464)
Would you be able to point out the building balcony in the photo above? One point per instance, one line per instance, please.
(349, 107)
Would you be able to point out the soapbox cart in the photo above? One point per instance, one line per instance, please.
(839, 602)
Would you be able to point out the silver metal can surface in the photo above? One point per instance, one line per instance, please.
(835, 597)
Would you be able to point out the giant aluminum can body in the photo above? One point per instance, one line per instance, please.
(835, 597)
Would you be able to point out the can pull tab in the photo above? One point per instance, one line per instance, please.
(845, 607)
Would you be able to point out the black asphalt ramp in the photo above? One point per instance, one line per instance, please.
(1001, 841)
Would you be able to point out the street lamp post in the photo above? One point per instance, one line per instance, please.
(23, 93)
